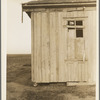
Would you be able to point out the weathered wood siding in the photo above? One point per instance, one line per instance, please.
(91, 35)
(51, 51)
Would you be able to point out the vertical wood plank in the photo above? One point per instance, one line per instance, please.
(86, 71)
(57, 47)
(94, 46)
(82, 72)
(73, 71)
(91, 42)
(79, 73)
(90, 45)
(32, 46)
(48, 28)
(76, 68)
(45, 49)
(61, 47)
(64, 43)
(38, 54)
(59, 31)
(66, 49)
(68, 67)
(86, 39)
(71, 44)
(66, 71)
(70, 73)
(53, 46)
(79, 45)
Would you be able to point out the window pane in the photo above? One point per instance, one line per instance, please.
(79, 23)
(70, 29)
(79, 32)
(71, 23)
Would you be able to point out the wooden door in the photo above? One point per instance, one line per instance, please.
(76, 62)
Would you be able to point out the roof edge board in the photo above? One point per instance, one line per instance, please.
(61, 5)
(56, 2)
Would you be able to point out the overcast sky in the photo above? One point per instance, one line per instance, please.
(18, 34)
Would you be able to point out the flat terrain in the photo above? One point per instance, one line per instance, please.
(20, 86)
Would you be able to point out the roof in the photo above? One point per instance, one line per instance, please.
(29, 6)
(58, 3)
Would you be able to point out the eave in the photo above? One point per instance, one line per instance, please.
(29, 7)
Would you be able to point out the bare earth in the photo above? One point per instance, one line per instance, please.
(20, 86)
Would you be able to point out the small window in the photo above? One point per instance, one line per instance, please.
(79, 23)
(71, 23)
(79, 33)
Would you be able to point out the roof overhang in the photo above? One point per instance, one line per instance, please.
(62, 4)
(30, 6)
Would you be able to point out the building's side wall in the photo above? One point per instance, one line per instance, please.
(49, 46)
(91, 31)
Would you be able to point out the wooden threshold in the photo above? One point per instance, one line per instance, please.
(80, 83)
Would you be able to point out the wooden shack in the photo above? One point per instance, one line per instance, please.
(63, 40)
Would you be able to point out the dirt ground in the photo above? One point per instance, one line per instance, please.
(20, 86)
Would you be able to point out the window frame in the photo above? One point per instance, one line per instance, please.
(76, 26)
